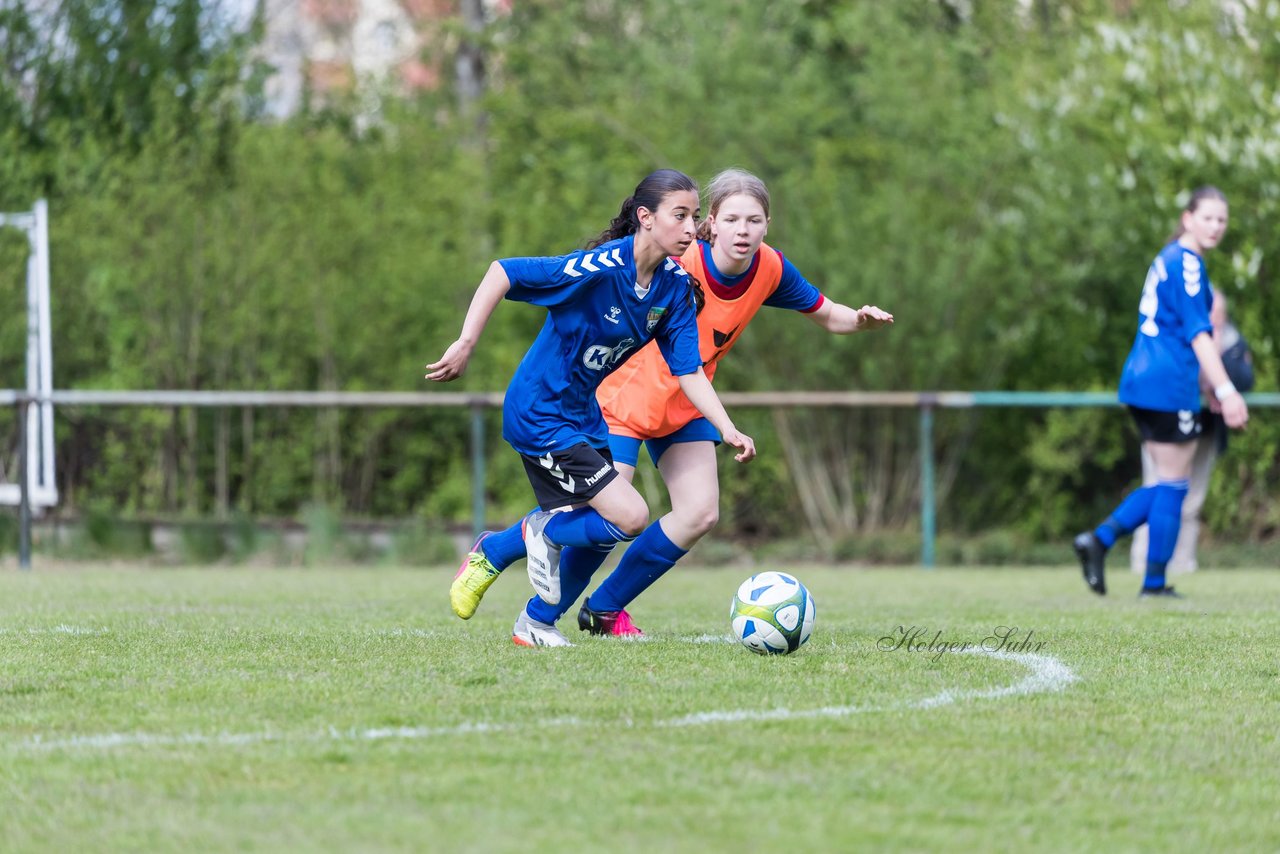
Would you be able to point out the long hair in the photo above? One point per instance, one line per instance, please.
(728, 183)
(649, 193)
(1198, 195)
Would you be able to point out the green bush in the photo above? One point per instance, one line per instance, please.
(421, 543)
(202, 542)
(8, 533)
(324, 535)
(103, 535)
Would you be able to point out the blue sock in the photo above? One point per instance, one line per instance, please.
(1154, 579)
(651, 555)
(583, 527)
(1126, 518)
(577, 565)
(504, 548)
(1163, 525)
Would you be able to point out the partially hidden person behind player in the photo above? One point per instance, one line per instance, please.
(643, 403)
(1160, 384)
(603, 304)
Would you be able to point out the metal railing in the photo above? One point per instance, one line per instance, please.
(926, 402)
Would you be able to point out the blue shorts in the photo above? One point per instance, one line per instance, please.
(626, 449)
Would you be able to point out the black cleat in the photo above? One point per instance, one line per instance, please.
(1160, 593)
(1093, 557)
(607, 622)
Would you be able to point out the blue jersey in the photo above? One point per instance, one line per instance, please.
(794, 291)
(597, 316)
(1162, 371)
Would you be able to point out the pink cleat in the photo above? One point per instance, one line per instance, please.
(607, 623)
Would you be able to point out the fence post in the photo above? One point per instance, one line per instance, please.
(24, 487)
(477, 467)
(928, 521)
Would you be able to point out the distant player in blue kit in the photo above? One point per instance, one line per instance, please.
(603, 304)
(1173, 355)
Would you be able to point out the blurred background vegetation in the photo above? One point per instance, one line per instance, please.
(997, 173)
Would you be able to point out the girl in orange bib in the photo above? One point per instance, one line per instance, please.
(642, 402)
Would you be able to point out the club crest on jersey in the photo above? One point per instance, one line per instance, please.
(655, 314)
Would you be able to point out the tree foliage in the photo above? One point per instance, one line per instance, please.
(997, 174)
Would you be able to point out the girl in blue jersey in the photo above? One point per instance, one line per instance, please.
(603, 304)
(1173, 354)
(642, 405)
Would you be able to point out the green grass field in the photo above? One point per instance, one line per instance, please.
(348, 710)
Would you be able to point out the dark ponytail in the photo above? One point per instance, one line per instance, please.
(649, 193)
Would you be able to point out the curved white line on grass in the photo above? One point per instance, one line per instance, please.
(1047, 675)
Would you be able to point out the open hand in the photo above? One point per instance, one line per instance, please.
(873, 317)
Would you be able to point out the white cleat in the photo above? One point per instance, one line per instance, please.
(529, 632)
(543, 557)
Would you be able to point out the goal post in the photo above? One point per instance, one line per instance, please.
(38, 448)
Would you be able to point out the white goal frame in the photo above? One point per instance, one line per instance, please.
(42, 490)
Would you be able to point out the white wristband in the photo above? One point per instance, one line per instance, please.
(1224, 390)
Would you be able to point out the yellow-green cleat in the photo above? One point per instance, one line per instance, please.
(472, 580)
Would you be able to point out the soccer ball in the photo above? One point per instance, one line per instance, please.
(772, 613)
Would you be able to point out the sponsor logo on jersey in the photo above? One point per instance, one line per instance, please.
(601, 357)
(612, 316)
(655, 314)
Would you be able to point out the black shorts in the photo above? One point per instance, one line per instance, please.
(571, 476)
(1169, 427)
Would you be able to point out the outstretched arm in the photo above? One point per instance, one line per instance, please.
(493, 287)
(698, 389)
(842, 320)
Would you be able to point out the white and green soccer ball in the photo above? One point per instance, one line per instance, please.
(772, 613)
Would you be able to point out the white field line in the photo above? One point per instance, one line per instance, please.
(1046, 675)
(61, 629)
(228, 739)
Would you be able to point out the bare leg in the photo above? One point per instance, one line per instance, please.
(689, 470)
